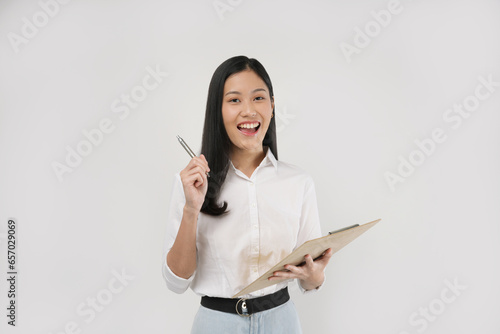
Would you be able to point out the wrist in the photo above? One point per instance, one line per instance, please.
(190, 212)
(308, 287)
(312, 284)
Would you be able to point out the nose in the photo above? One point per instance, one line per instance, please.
(247, 109)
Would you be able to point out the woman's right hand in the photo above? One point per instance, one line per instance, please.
(195, 182)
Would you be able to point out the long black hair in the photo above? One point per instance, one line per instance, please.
(216, 145)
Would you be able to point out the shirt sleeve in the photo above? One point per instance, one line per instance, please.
(174, 217)
(309, 223)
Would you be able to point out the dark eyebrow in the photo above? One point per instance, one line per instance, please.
(258, 90)
(253, 91)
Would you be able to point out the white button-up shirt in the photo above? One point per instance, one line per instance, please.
(270, 214)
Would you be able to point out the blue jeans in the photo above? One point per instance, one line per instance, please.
(279, 320)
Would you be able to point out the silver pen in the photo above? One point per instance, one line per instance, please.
(188, 150)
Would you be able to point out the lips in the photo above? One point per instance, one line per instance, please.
(249, 128)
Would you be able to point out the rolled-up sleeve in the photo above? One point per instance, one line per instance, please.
(174, 217)
(310, 227)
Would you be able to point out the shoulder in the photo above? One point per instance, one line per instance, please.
(176, 182)
(289, 170)
(176, 179)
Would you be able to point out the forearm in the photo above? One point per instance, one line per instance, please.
(181, 258)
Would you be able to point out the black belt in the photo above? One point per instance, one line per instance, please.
(240, 305)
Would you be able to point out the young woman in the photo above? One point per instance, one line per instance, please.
(226, 230)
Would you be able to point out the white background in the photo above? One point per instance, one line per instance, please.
(346, 123)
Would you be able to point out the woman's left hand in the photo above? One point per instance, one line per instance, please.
(311, 274)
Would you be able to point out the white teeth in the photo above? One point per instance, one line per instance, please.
(249, 125)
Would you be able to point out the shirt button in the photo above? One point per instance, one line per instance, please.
(255, 227)
(254, 205)
(251, 184)
(254, 270)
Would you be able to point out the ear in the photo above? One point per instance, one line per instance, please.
(272, 102)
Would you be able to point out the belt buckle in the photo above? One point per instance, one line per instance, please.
(243, 306)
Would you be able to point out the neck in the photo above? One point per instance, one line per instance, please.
(245, 160)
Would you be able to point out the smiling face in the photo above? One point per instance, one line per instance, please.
(246, 110)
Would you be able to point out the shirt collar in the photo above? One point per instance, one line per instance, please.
(268, 159)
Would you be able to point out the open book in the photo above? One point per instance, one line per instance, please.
(315, 247)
